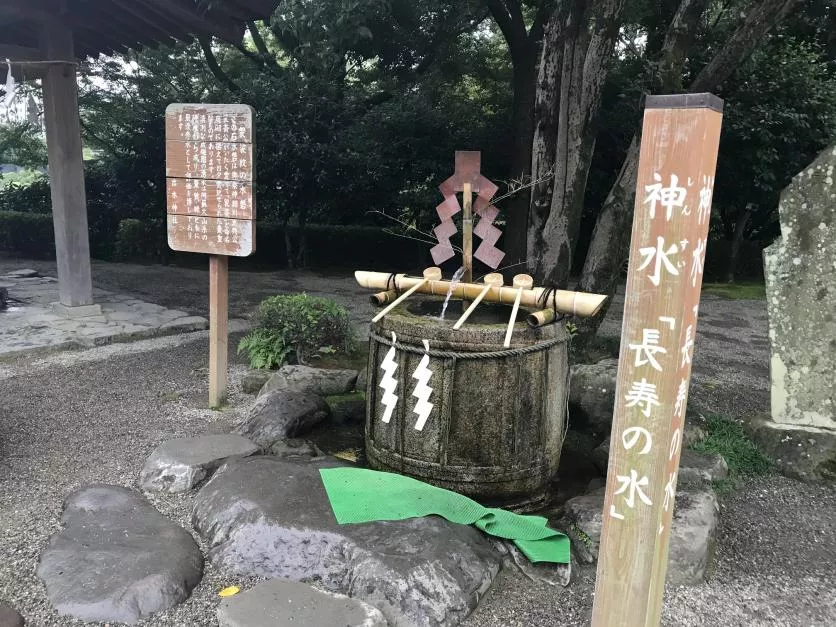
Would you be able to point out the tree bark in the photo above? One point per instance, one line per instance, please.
(577, 47)
(610, 240)
(524, 49)
(737, 239)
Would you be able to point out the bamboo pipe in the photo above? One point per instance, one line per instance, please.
(540, 318)
(521, 282)
(383, 298)
(566, 302)
(490, 280)
(430, 274)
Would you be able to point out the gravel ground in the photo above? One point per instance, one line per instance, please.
(72, 419)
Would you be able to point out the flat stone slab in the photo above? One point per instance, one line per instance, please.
(282, 414)
(179, 465)
(285, 603)
(38, 324)
(268, 517)
(23, 273)
(321, 381)
(117, 559)
(692, 541)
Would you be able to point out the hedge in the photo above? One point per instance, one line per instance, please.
(27, 234)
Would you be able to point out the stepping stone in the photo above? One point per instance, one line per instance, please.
(282, 414)
(179, 465)
(285, 603)
(9, 617)
(693, 536)
(117, 559)
(267, 517)
(321, 381)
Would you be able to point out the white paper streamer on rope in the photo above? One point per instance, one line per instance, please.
(388, 382)
(422, 390)
(11, 89)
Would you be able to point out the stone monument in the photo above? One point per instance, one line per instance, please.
(800, 269)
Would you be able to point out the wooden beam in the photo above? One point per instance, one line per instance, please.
(66, 169)
(146, 16)
(194, 23)
(680, 137)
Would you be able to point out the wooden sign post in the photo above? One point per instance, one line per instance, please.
(677, 163)
(210, 172)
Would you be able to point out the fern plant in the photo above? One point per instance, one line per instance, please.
(296, 326)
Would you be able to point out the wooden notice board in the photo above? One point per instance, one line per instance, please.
(210, 173)
(675, 182)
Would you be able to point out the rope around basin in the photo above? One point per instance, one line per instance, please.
(511, 352)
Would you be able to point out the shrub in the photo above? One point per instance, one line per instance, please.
(296, 326)
(27, 234)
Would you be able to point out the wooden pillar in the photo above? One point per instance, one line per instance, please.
(218, 331)
(670, 228)
(66, 170)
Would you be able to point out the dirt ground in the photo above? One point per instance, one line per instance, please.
(76, 418)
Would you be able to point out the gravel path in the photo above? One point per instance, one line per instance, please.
(73, 419)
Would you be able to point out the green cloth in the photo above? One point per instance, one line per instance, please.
(358, 495)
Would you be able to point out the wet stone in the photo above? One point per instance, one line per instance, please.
(178, 465)
(285, 603)
(419, 572)
(282, 414)
(117, 559)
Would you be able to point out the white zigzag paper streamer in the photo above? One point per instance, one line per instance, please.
(423, 391)
(388, 382)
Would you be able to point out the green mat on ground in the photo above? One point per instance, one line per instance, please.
(358, 495)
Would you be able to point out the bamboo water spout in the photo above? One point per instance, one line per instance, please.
(562, 301)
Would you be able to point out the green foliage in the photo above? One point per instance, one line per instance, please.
(22, 144)
(27, 234)
(297, 325)
(728, 438)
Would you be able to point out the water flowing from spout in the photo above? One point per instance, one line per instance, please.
(457, 277)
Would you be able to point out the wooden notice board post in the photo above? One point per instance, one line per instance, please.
(210, 173)
(677, 164)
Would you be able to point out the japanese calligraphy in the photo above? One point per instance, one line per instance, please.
(643, 394)
(660, 257)
(668, 196)
(647, 350)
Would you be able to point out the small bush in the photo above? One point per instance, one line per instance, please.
(296, 327)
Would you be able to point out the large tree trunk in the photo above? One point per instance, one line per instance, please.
(515, 208)
(577, 47)
(611, 237)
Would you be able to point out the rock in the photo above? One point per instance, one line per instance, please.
(804, 453)
(189, 323)
(347, 408)
(601, 456)
(23, 273)
(321, 381)
(9, 617)
(282, 414)
(362, 380)
(800, 276)
(418, 572)
(254, 380)
(117, 559)
(692, 540)
(700, 468)
(285, 603)
(592, 396)
(178, 465)
(293, 447)
(579, 443)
